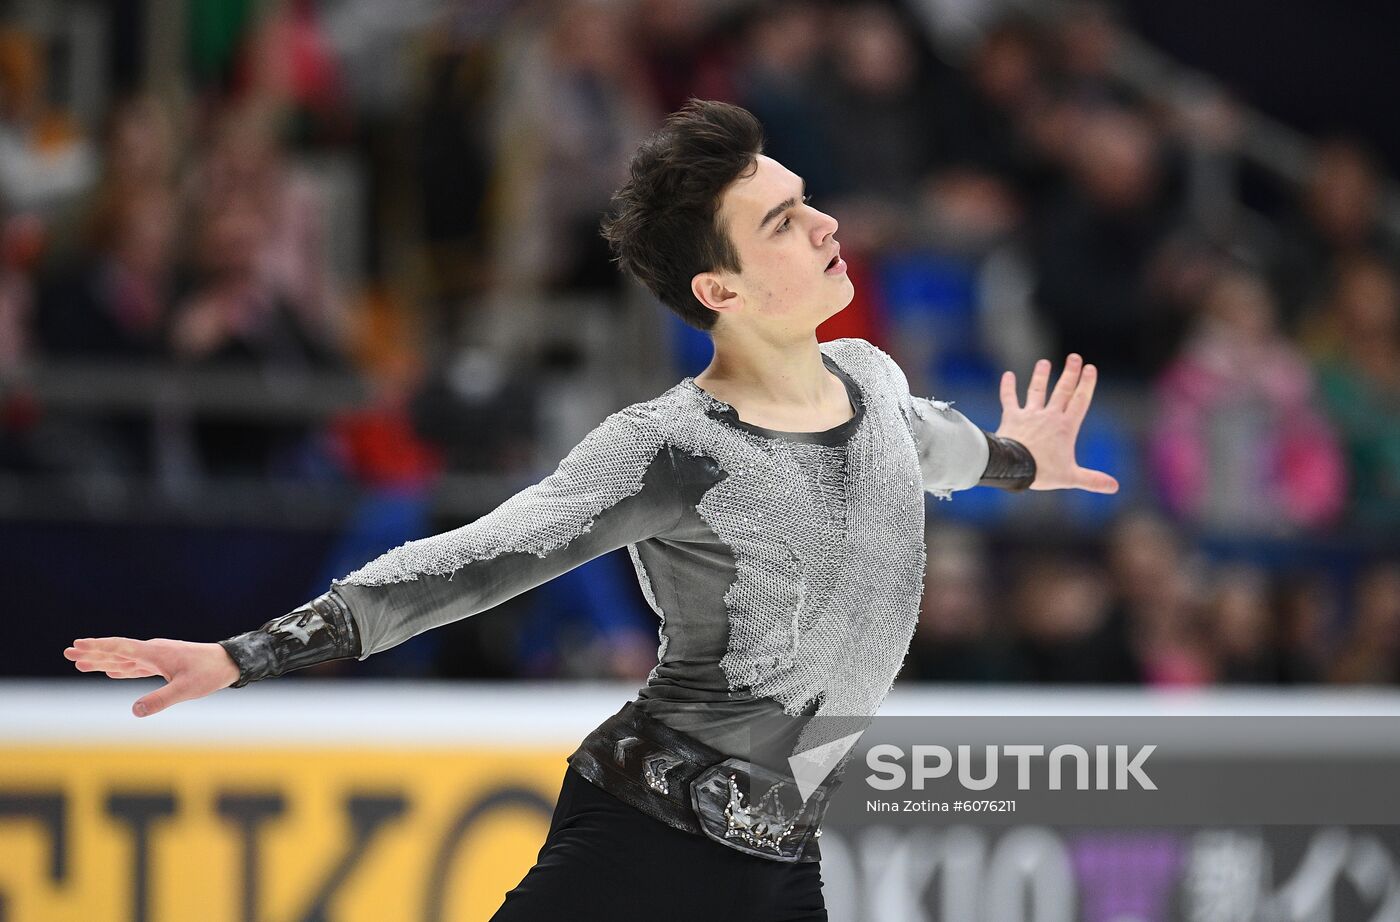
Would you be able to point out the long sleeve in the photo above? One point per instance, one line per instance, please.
(615, 488)
(953, 451)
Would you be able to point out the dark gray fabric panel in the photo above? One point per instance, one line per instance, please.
(690, 570)
(389, 614)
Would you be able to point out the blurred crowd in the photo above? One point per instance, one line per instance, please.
(1150, 610)
(1001, 198)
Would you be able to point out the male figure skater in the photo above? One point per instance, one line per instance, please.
(773, 508)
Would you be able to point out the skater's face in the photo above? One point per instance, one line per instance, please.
(785, 247)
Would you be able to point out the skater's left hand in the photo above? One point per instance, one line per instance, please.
(1048, 429)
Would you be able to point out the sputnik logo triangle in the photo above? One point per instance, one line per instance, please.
(810, 768)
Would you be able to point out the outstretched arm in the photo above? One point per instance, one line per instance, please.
(1033, 448)
(615, 488)
(317, 632)
(1048, 428)
(954, 453)
(191, 670)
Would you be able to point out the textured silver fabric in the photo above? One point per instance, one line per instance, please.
(818, 548)
(828, 583)
(604, 468)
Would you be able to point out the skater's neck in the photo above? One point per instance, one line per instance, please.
(779, 384)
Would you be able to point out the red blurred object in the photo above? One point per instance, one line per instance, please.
(315, 74)
(291, 55)
(862, 318)
(22, 241)
(19, 412)
(382, 450)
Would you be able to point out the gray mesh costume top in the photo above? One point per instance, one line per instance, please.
(786, 568)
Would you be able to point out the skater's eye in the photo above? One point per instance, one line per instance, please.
(786, 221)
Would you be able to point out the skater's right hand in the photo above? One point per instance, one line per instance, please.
(191, 670)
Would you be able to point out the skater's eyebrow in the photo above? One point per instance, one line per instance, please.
(781, 207)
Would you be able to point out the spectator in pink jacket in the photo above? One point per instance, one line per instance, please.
(1238, 443)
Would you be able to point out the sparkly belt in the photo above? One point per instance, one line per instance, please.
(682, 782)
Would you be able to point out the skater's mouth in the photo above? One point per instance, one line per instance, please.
(837, 264)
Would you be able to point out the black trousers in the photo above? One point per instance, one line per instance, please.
(606, 860)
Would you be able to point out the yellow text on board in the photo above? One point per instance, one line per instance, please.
(269, 835)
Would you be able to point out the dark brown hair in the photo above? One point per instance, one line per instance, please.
(664, 226)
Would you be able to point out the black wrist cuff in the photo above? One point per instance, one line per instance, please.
(1009, 464)
(318, 632)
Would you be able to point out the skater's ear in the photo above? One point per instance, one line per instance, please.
(714, 290)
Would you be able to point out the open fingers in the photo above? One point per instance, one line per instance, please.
(1040, 380)
(140, 651)
(1083, 394)
(118, 657)
(90, 655)
(134, 673)
(85, 665)
(122, 670)
(117, 668)
(94, 656)
(1069, 380)
(118, 646)
(1008, 391)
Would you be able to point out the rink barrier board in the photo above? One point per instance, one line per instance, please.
(199, 833)
(352, 800)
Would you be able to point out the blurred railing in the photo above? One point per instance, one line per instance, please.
(174, 397)
(171, 396)
(280, 393)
